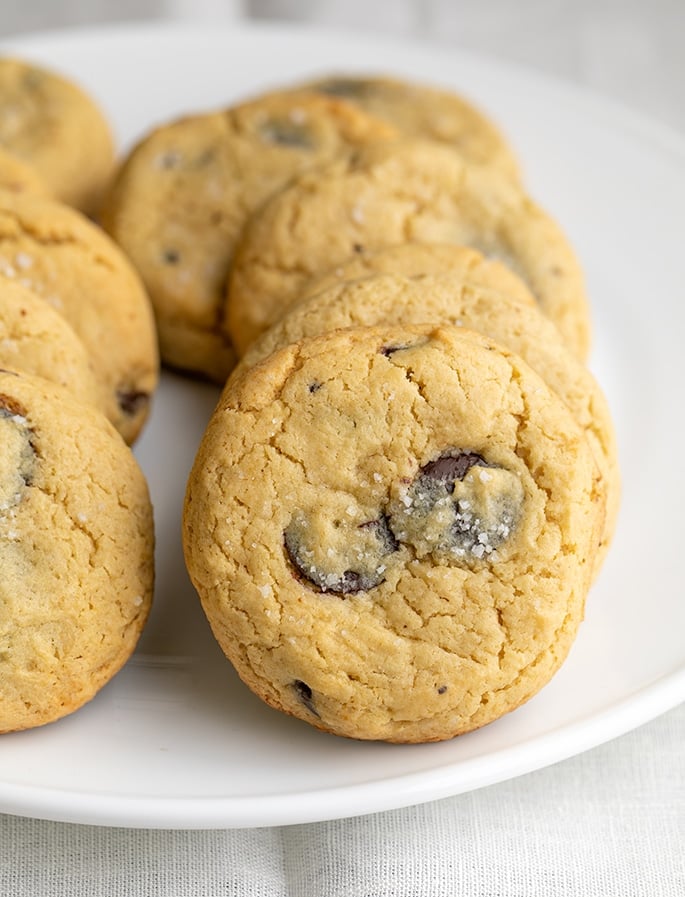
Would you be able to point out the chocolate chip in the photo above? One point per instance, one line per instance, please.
(382, 531)
(18, 455)
(448, 468)
(132, 401)
(458, 508)
(171, 159)
(350, 559)
(171, 256)
(442, 689)
(285, 132)
(390, 350)
(358, 248)
(345, 87)
(314, 386)
(304, 694)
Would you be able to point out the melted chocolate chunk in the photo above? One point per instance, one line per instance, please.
(386, 537)
(170, 160)
(390, 350)
(18, 455)
(285, 132)
(132, 401)
(448, 468)
(459, 508)
(364, 547)
(305, 696)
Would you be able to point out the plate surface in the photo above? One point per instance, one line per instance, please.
(175, 740)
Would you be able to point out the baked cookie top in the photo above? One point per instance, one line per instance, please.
(77, 268)
(18, 176)
(185, 191)
(392, 530)
(422, 110)
(467, 301)
(400, 192)
(76, 552)
(58, 129)
(35, 339)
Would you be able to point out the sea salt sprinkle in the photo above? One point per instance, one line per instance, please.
(23, 261)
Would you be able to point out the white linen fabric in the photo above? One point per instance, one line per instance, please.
(607, 823)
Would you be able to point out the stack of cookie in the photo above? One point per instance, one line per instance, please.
(78, 366)
(410, 481)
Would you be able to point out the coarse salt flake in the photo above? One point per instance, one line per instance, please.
(23, 260)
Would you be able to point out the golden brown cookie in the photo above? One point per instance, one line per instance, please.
(35, 339)
(59, 130)
(19, 177)
(426, 111)
(392, 530)
(76, 552)
(410, 191)
(184, 193)
(75, 267)
(474, 301)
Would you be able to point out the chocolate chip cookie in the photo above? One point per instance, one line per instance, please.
(35, 339)
(184, 193)
(76, 552)
(392, 530)
(54, 126)
(427, 111)
(400, 192)
(75, 267)
(476, 303)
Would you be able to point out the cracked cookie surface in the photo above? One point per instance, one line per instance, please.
(422, 110)
(59, 130)
(35, 339)
(326, 440)
(182, 197)
(78, 270)
(402, 192)
(76, 552)
(469, 297)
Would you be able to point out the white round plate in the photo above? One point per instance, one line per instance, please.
(175, 740)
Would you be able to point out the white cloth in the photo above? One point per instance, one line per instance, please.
(607, 823)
